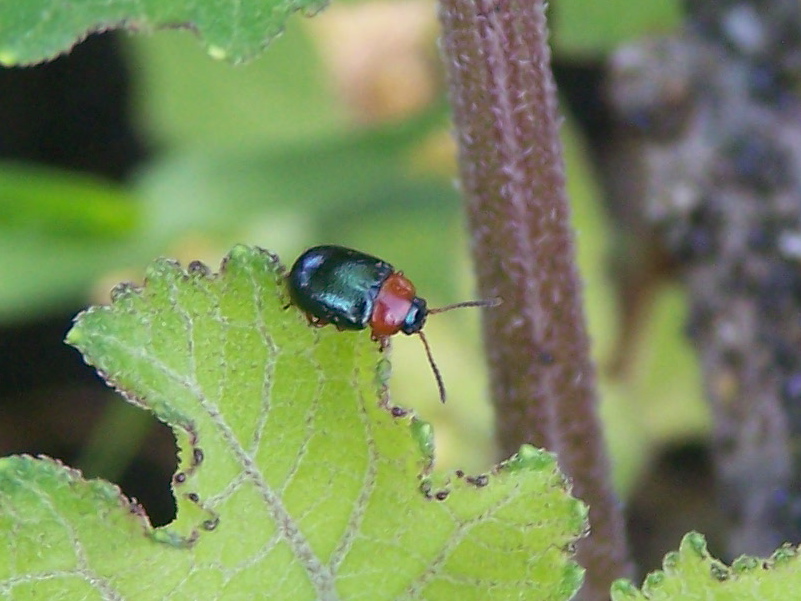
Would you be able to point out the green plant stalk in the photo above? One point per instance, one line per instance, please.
(513, 179)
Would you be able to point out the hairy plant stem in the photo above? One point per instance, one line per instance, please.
(512, 174)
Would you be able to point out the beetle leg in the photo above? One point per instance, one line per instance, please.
(316, 322)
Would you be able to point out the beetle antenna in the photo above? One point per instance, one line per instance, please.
(488, 302)
(434, 368)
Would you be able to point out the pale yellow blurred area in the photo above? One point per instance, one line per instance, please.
(381, 56)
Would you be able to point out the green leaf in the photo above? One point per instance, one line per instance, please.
(59, 231)
(210, 189)
(295, 481)
(62, 203)
(284, 97)
(588, 27)
(691, 574)
(36, 30)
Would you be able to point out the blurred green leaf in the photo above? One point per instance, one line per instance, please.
(63, 203)
(588, 27)
(59, 231)
(36, 30)
(330, 183)
(41, 272)
(188, 101)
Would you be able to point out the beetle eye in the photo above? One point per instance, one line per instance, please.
(415, 317)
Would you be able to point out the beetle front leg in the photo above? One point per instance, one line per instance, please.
(383, 342)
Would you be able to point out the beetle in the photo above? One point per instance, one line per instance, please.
(353, 291)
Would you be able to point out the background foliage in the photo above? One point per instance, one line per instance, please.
(319, 140)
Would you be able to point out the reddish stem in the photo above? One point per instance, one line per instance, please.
(512, 173)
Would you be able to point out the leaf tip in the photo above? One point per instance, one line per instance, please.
(694, 542)
(123, 290)
(623, 589)
(161, 268)
(572, 579)
(529, 457)
(784, 554)
(242, 255)
(76, 335)
(423, 434)
(653, 581)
